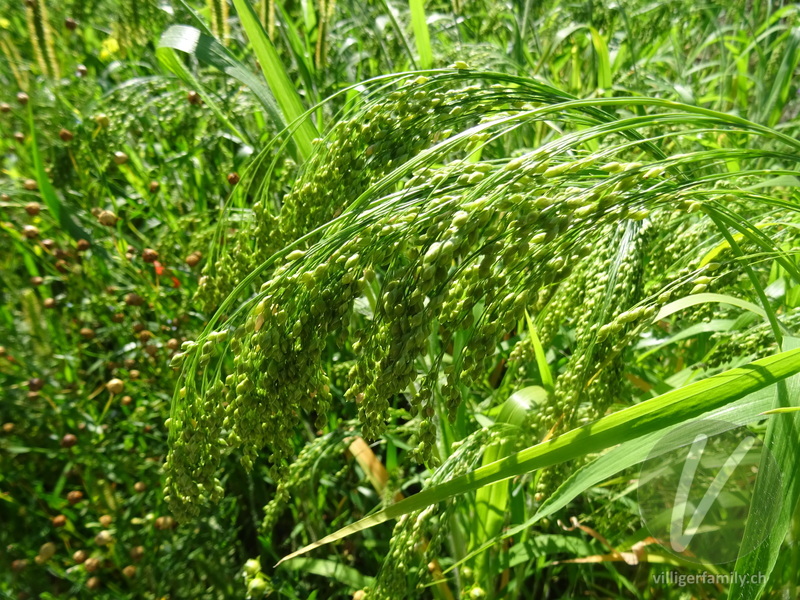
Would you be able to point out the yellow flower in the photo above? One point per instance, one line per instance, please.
(109, 49)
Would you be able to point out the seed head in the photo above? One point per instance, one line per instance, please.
(92, 564)
(33, 208)
(115, 386)
(69, 440)
(65, 135)
(19, 565)
(193, 259)
(252, 567)
(166, 522)
(103, 538)
(149, 255)
(107, 218)
(133, 299)
(22, 98)
(257, 588)
(47, 551)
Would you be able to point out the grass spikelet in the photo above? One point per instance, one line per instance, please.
(41, 37)
(220, 26)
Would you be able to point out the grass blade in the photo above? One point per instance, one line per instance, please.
(349, 576)
(695, 299)
(58, 211)
(491, 501)
(541, 359)
(782, 440)
(603, 61)
(209, 51)
(277, 78)
(627, 455)
(669, 409)
(779, 94)
(419, 24)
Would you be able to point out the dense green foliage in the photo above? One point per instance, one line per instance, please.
(267, 268)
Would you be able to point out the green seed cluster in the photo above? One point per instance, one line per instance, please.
(255, 242)
(299, 477)
(754, 342)
(606, 298)
(361, 150)
(418, 536)
(466, 246)
(440, 256)
(597, 292)
(193, 461)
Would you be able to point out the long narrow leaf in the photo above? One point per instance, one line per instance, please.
(58, 211)
(419, 24)
(672, 408)
(629, 454)
(491, 501)
(695, 299)
(209, 51)
(782, 439)
(277, 78)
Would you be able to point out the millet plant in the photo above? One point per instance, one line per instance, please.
(278, 274)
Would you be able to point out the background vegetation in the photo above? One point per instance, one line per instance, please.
(269, 268)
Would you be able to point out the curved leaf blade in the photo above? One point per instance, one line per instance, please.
(782, 437)
(209, 51)
(277, 79)
(676, 406)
